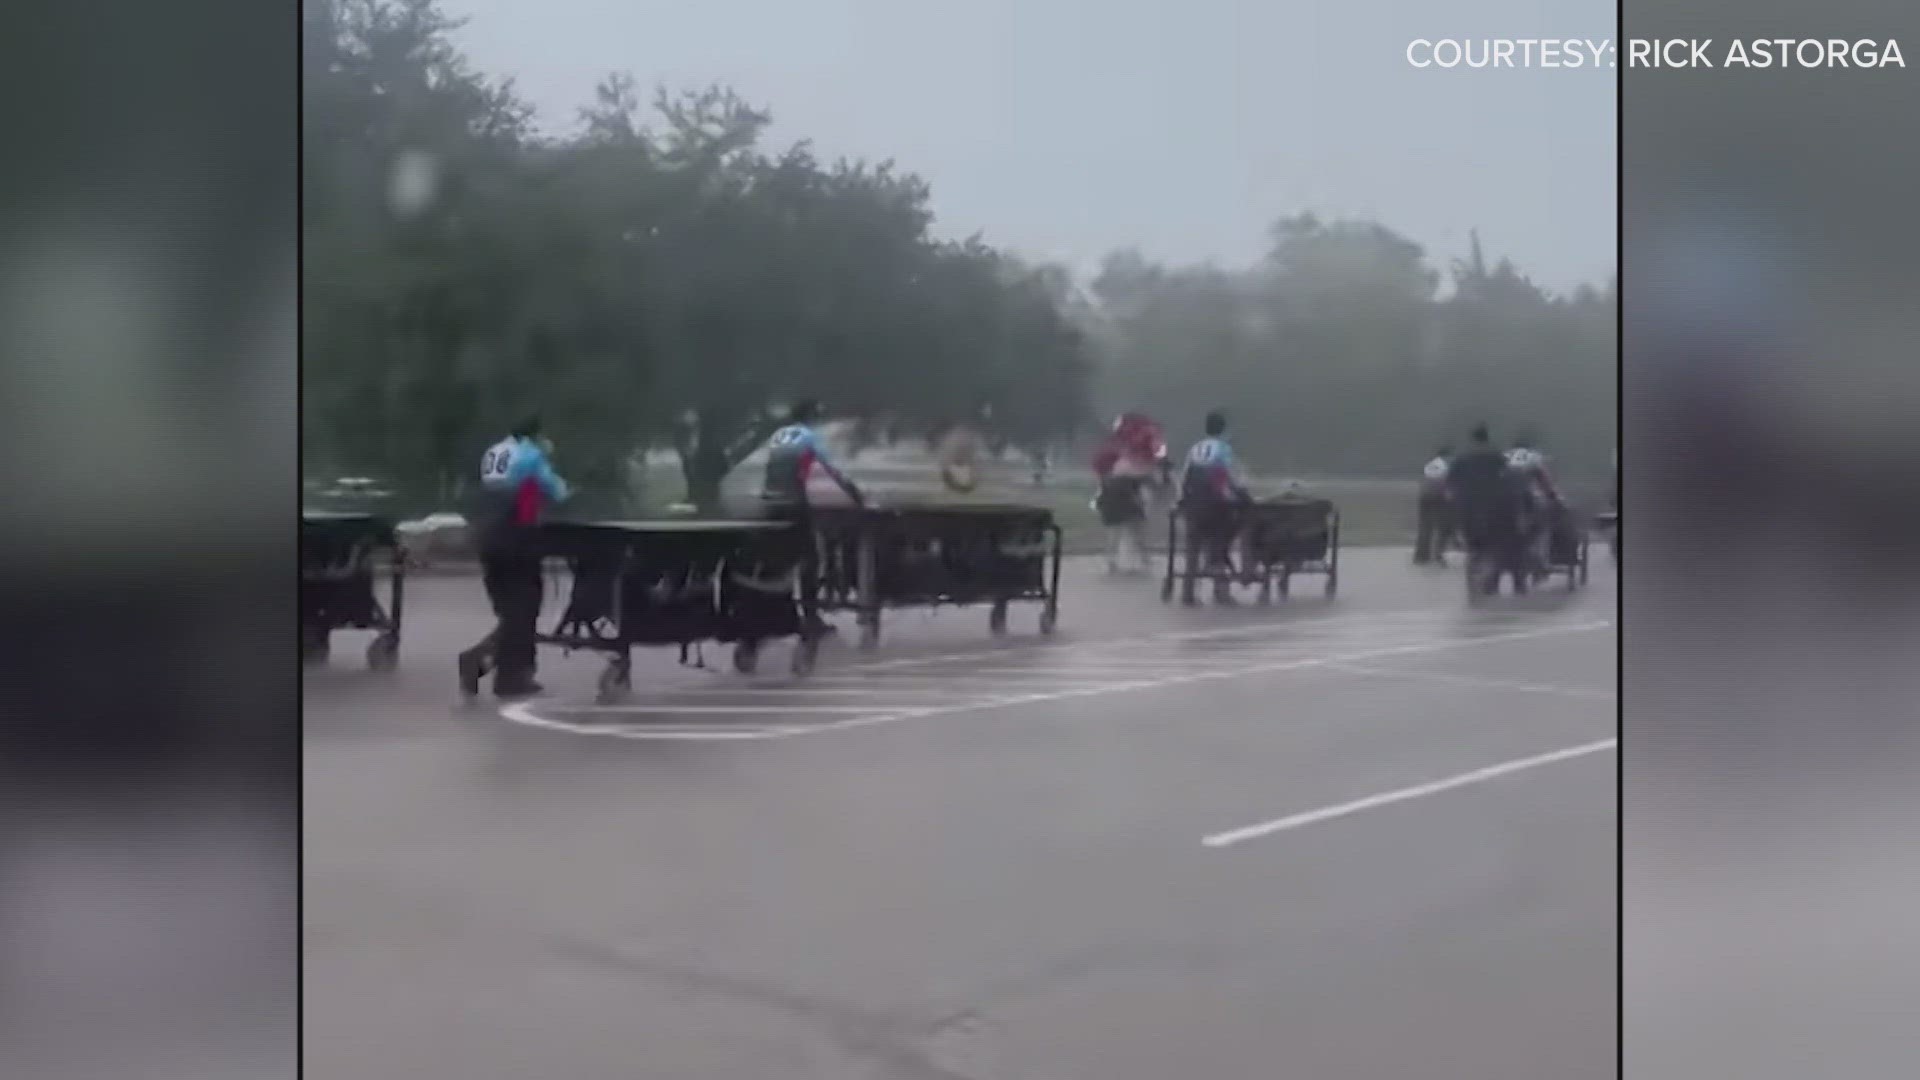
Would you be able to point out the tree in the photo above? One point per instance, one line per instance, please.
(638, 283)
(1335, 354)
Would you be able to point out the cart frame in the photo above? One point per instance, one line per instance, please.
(1257, 567)
(869, 557)
(338, 593)
(605, 561)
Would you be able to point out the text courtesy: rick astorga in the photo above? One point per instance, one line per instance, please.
(1601, 54)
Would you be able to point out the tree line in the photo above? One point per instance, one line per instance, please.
(661, 276)
(1337, 353)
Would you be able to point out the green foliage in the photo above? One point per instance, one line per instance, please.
(1336, 355)
(662, 277)
(633, 283)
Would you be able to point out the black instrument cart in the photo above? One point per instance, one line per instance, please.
(874, 558)
(1273, 540)
(337, 564)
(679, 582)
(1557, 546)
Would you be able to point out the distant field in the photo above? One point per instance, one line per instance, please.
(1372, 512)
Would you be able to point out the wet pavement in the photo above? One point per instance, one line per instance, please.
(1366, 837)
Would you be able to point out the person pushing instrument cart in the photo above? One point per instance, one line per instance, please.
(793, 453)
(517, 484)
(1210, 491)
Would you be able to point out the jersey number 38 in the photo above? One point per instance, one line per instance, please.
(495, 463)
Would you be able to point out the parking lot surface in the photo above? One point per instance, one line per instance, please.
(1369, 837)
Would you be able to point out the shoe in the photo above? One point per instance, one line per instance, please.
(525, 689)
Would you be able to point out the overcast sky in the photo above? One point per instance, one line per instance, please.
(1067, 128)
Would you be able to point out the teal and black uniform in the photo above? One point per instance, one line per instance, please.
(517, 484)
(1209, 493)
(793, 452)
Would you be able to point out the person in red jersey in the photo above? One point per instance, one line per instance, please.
(1129, 463)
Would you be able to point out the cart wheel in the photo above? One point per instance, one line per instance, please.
(1049, 619)
(746, 656)
(1333, 586)
(616, 682)
(806, 654)
(383, 653)
(997, 620)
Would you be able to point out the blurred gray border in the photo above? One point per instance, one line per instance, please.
(148, 671)
(1770, 399)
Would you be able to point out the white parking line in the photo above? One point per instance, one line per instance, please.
(1095, 674)
(1181, 680)
(1294, 630)
(957, 679)
(1328, 813)
(1474, 683)
(832, 691)
(521, 712)
(724, 710)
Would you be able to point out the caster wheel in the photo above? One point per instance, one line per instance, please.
(806, 654)
(746, 657)
(383, 654)
(1049, 620)
(616, 682)
(997, 620)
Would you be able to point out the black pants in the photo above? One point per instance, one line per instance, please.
(1493, 534)
(1210, 532)
(515, 590)
(800, 516)
(1435, 529)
